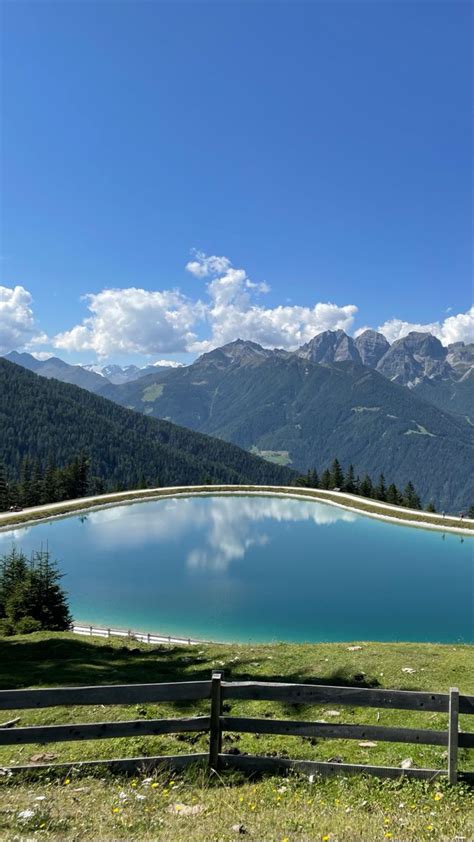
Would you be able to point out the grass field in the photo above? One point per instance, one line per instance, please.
(197, 806)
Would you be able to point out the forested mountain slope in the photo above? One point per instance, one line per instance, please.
(313, 412)
(43, 418)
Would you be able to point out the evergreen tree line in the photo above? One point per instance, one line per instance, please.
(334, 477)
(31, 597)
(42, 484)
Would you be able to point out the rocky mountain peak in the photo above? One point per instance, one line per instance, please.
(331, 346)
(371, 346)
(414, 358)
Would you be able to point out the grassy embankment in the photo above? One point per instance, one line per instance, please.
(192, 805)
(348, 501)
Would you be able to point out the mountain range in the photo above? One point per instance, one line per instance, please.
(44, 418)
(405, 409)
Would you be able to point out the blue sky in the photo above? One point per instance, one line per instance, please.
(323, 148)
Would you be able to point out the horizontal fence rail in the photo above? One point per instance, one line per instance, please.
(216, 691)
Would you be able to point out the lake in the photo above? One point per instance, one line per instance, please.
(259, 568)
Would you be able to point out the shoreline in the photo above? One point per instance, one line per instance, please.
(85, 629)
(349, 502)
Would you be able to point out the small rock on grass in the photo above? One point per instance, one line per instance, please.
(353, 648)
(407, 763)
(239, 828)
(367, 744)
(408, 670)
(332, 712)
(45, 757)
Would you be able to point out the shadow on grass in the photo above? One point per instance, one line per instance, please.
(62, 660)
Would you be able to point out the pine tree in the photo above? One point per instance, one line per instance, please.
(337, 476)
(366, 487)
(326, 479)
(313, 479)
(431, 507)
(470, 512)
(50, 484)
(393, 495)
(3, 488)
(349, 481)
(25, 482)
(380, 491)
(410, 498)
(30, 594)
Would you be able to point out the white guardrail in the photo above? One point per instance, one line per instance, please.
(143, 637)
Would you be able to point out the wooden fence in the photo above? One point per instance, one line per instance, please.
(216, 723)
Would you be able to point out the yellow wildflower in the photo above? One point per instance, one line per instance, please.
(154, 785)
(67, 781)
(388, 835)
(438, 796)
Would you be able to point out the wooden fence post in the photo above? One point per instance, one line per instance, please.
(453, 735)
(215, 734)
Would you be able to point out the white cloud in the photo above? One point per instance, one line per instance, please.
(168, 364)
(134, 321)
(17, 324)
(161, 322)
(203, 266)
(459, 328)
(41, 355)
(235, 312)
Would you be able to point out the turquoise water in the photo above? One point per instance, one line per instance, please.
(259, 568)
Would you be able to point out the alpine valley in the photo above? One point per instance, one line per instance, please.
(404, 409)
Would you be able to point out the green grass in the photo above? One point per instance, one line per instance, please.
(151, 393)
(352, 808)
(279, 457)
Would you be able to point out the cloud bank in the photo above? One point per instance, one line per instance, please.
(138, 321)
(17, 325)
(459, 328)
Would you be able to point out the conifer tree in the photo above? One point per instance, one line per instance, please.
(326, 479)
(349, 481)
(366, 487)
(3, 488)
(313, 479)
(337, 476)
(380, 491)
(431, 507)
(410, 498)
(393, 495)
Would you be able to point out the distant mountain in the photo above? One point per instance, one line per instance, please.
(413, 358)
(118, 375)
(59, 370)
(371, 346)
(42, 418)
(332, 346)
(308, 412)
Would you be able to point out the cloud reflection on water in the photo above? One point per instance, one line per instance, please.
(227, 527)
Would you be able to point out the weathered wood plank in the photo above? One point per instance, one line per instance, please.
(215, 736)
(127, 765)
(466, 704)
(320, 694)
(102, 730)
(453, 735)
(466, 739)
(253, 763)
(113, 694)
(332, 731)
